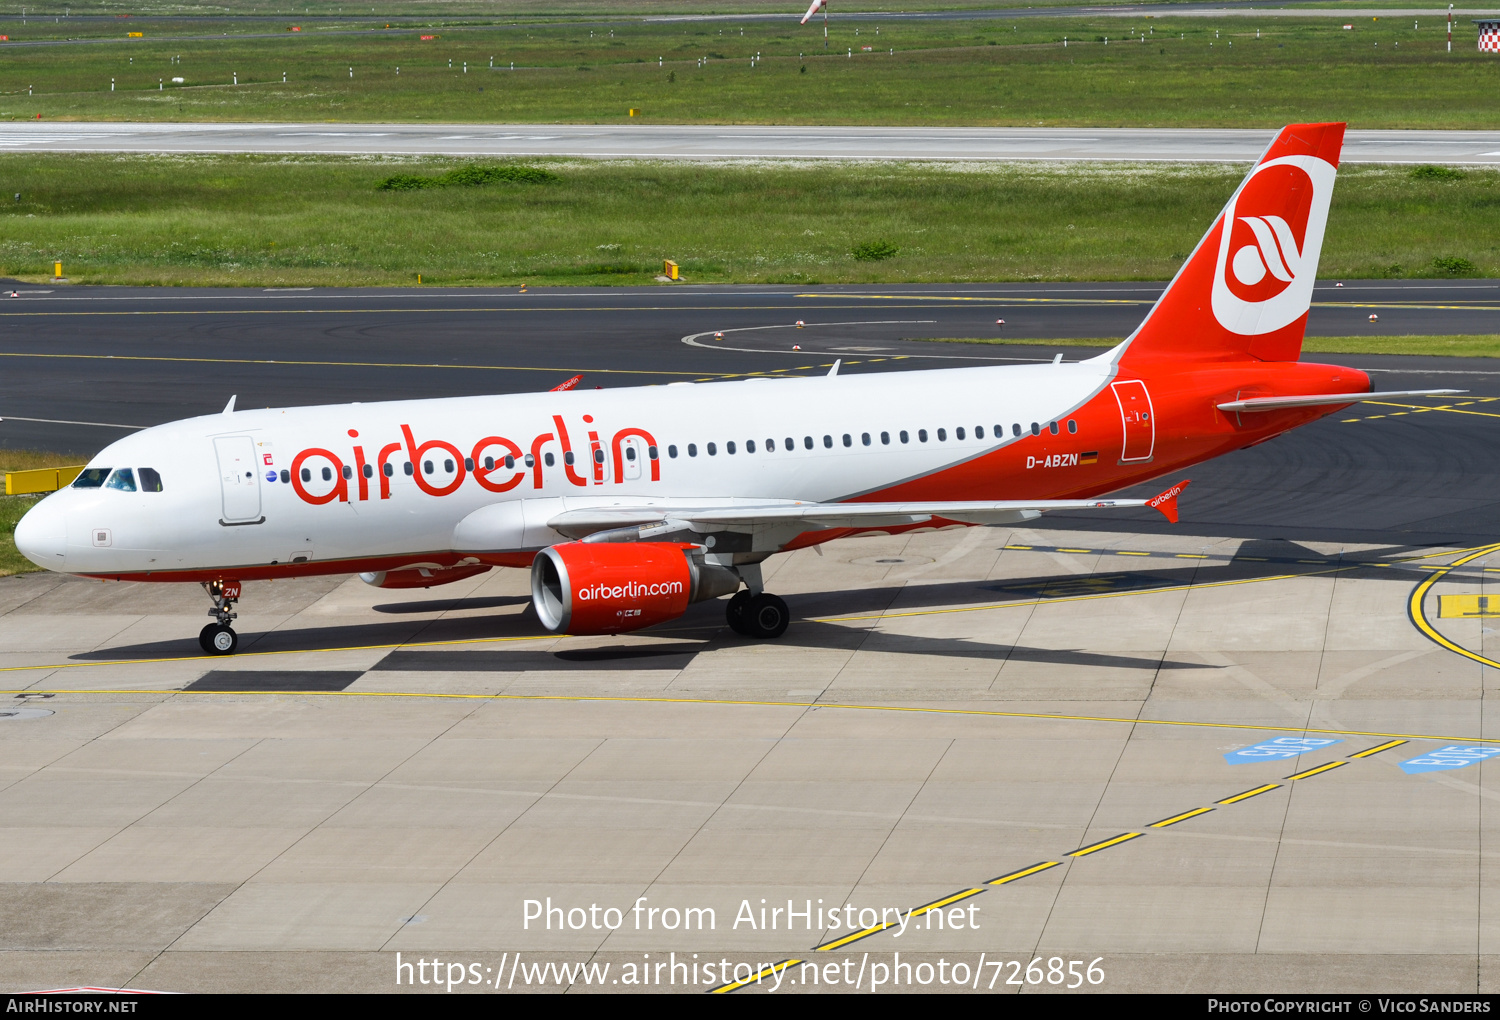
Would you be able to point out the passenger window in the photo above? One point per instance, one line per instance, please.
(729, 447)
(1072, 427)
(904, 437)
(672, 451)
(91, 478)
(530, 461)
(306, 475)
(942, 435)
(286, 476)
(468, 463)
(348, 472)
(123, 479)
(848, 440)
(1036, 429)
(770, 446)
(807, 442)
(369, 471)
(150, 480)
(958, 433)
(510, 461)
(692, 449)
(427, 467)
(489, 463)
(885, 439)
(651, 452)
(406, 468)
(599, 456)
(328, 474)
(922, 435)
(1016, 428)
(864, 437)
(629, 453)
(1052, 427)
(978, 432)
(749, 446)
(388, 469)
(713, 450)
(550, 460)
(790, 444)
(567, 457)
(827, 442)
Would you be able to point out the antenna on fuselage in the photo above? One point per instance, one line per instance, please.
(229, 407)
(835, 369)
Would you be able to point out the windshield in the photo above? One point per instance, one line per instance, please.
(91, 478)
(123, 479)
(150, 480)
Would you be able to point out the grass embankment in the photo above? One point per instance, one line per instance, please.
(1459, 346)
(302, 221)
(13, 508)
(1185, 72)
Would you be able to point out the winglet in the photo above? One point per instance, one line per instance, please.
(1167, 501)
(566, 385)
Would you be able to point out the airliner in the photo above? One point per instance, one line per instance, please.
(628, 505)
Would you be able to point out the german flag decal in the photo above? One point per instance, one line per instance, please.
(1092, 457)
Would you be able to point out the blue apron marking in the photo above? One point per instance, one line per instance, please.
(1454, 756)
(1279, 749)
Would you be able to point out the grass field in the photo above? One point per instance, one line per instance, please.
(304, 221)
(1458, 346)
(1244, 72)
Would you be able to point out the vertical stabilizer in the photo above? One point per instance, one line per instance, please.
(1246, 289)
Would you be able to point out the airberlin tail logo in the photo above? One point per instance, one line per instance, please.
(1269, 241)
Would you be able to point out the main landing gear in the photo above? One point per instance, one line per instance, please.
(762, 616)
(219, 638)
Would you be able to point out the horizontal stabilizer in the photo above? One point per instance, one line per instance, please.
(1317, 399)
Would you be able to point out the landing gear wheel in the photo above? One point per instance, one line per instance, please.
(766, 616)
(734, 613)
(218, 639)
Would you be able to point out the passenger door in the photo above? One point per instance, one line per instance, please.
(1137, 419)
(239, 479)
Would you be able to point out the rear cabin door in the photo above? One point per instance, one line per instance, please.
(239, 479)
(1138, 421)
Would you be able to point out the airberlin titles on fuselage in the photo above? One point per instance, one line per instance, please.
(497, 463)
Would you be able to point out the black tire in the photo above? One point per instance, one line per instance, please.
(205, 638)
(767, 616)
(222, 640)
(734, 612)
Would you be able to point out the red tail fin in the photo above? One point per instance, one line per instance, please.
(1246, 289)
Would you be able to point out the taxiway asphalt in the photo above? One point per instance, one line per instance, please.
(84, 365)
(711, 141)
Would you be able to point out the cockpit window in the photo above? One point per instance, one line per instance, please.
(150, 480)
(91, 478)
(123, 479)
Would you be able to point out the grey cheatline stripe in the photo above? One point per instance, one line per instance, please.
(62, 421)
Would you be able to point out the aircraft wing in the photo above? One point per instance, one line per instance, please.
(1317, 399)
(658, 520)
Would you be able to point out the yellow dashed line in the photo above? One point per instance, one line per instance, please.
(1123, 837)
(1180, 818)
(1378, 748)
(1249, 793)
(1014, 875)
(1318, 771)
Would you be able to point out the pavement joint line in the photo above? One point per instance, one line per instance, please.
(1123, 837)
(876, 929)
(1174, 819)
(1317, 770)
(1023, 873)
(915, 710)
(769, 971)
(1256, 792)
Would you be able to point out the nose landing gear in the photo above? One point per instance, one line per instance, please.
(219, 638)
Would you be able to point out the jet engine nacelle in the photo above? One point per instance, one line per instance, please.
(422, 577)
(609, 587)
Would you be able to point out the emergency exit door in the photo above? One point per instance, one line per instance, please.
(1138, 421)
(239, 478)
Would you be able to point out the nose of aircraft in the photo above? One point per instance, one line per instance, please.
(42, 536)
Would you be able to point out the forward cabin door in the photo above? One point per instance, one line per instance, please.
(239, 479)
(1138, 421)
(633, 452)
